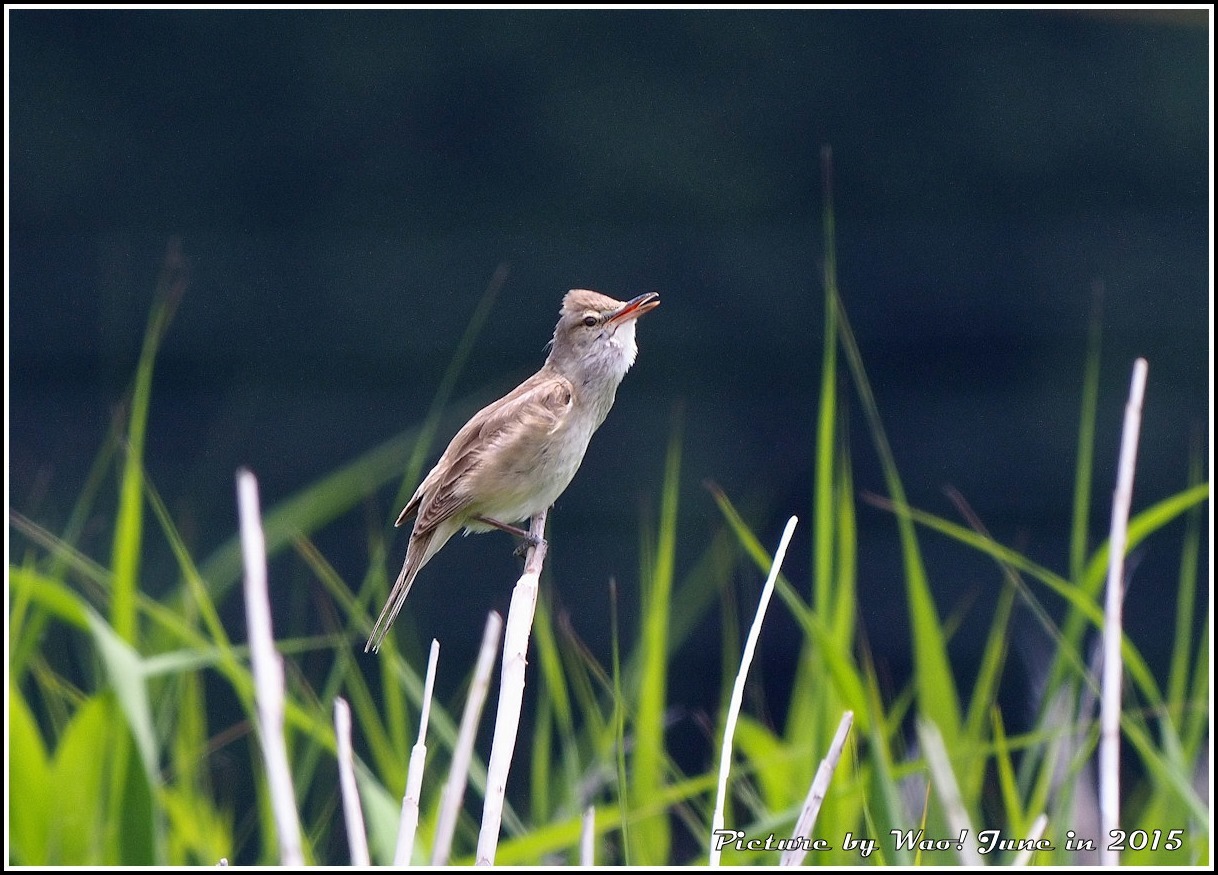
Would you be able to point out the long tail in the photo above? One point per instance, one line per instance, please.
(417, 554)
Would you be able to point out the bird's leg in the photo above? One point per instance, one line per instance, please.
(529, 539)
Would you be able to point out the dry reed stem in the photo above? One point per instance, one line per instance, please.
(1110, 702)
(267, 668)
(353, 814)
(409, 822)
(511, 692)
(458, 772)
(794, 855)
(733, 711)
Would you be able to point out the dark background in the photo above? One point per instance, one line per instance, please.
(345, 184)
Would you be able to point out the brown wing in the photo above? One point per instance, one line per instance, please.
(540, 401)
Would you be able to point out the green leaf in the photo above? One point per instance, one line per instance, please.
(199, 835)
(125, 671)
(79, 778)
(381, 815)
(771, 761)
(32, 806)
(50, 594)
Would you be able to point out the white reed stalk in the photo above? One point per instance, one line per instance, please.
(587, 837)
(1024, 857)
(794, 855)
(458, 773)
(511, 692)
(267, 669)
(409, 822)
(353, 814)
(944, 779)
(733, 710)
(1110, 703)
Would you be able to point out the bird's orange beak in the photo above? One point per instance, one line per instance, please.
(635, 307)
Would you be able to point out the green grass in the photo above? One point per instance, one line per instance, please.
(113, 746)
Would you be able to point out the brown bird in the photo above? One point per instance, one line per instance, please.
(516, 455)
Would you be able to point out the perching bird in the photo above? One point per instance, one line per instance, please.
(516, 455)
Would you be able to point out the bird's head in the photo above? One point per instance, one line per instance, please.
(594, 337)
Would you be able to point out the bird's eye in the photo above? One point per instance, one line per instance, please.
(590, 321)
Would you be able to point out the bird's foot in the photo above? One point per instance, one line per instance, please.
(527, 538)
(527, 541)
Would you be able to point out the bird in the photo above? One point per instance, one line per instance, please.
(517, 455)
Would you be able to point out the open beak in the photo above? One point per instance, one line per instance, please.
(635, 307)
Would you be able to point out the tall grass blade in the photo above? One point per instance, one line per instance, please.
(1079, 602)
(1085, 463)
(652, 837)
(619, 723)
(825, 452)
(128, 525)
(936, 685)
(1190, 551)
